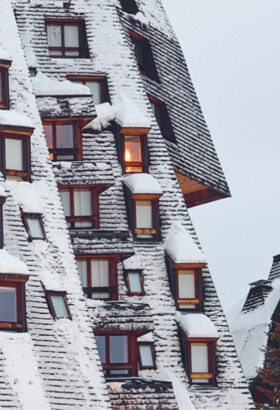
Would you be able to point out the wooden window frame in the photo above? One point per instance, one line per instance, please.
(76, 151)
(38, 216)
(155, 231)
(131, 366)
(151, 344)
(83, 45)
(17, 282)
(142, 134)
(148, 69)
(101, 79)
(163, 119)
(129, 6)
(4, 78)
(2, 201)
(113, 276)
(127, 282)
(50, 293)
(26, 154)
(95, 190)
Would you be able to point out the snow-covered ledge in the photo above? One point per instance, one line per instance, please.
(133, 263)
(46, 86)
(181, 248)
(197, 325)
(9, 264)
(4, 55)
(142, 184)
(15, 119)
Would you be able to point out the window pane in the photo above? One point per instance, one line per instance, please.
(35, 228)
(59, 306)
(49, 135)
(82, 203)
(135, 282)
(65, 198)
(14, 154)
(146, 356)
(64, 136)
(154, 108)
(72, 53)
(118, 349)
(1, 90)
(144, 214)
(8, 304)
(95, 89)
(71, 35)
(82, 267)
(199, 355)
(99, 273)
(186, 284)
(54, 35)
(101, 346)
(132, 148)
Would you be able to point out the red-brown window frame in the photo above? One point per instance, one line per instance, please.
(101, 79)
(113, 275)
(141, 367)
(50, 293)
(211, 376)
(76, 151)
(26, 154)
(2, 201)
(83, 45)
(27, 215)
(161, 112)
(132, 365)
(17, 282)
(137, 132)
(127, 282)
(95, 190)
(4, 78)
(197, 301)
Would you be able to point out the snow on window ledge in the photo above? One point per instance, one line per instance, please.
(9, 264)
(197, 325)
(142, 184)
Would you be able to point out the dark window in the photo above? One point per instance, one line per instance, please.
(99, 277)
(2, 201)
(146, 355)
(117, 353)
(160, 112)
(134, 282)
(4, 87)
(34, 226)
(144, 57)
(12, 302)
(58, 305)
(64, 140)
(97, 85)
(133, 151)
(67, 38)
(15, 156)
(129, 6)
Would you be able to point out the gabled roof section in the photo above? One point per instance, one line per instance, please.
(275, 269)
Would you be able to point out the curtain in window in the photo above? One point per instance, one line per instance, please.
(82, 203)
(100, 273)
(71, 35)
(132, 148)
(144, 216)
(35, 228)
(64, 136)
(65, 198)
(8, 304)
(54, 35)
(82, 267)
(118, 349)
(14, 154)
(199, 356)
(186, 284)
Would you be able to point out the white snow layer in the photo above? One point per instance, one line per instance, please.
(44, 85)
(181, 247)
(4, 55)
(249, 331)
(28, 195)
(2, 192)
(142, 184)
(13, 117)
(134, 262)
(22, 371)
(147, 337)
(11, 264)
(197, 325)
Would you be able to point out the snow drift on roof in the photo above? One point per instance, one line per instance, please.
(180, 246)
(128, 114)
(44, 85)
(11, 264)
(197, 325)
(105, 114)
(13, 117)
(142, 184)
(28, 195)
(134, 262)
(4, 55)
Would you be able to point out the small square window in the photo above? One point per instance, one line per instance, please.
(134, 282)
(98, 87)
(16, 149)
(146, 354)
(58, 305)
(67, 38)
(34, 226)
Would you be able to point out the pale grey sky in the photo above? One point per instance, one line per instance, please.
(232, 48)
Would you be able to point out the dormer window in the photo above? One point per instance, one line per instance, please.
(133, 150)
(67, 38)
(144, 56)
(16, 159)
(161, 114)
(63, 139)
(97, 85)
(58, 305)
(34, 226)
(4, 84)
(134, 282)
(146, 355)
(129, 6)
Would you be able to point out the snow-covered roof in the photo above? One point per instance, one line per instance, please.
(14, 118)
(44, 85)
(2, 192)
(28, 195)
(4, 55)
(11, 264)
(180, 246)
(142, 184)
(134, 262)
(147, 337)
(105, 114)
(197, 325)
(128, 114)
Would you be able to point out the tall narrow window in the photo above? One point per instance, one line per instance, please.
(146, 354)
(162, 116)
(4, 86)
(64, 140)
(34, 226)
(67, 38)
(134, 282)
(15, 155)
(201, 362)
(129, 6)
(97, 85)
(134, 153)
(144, 56)
(98, 277)
(58, 305)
